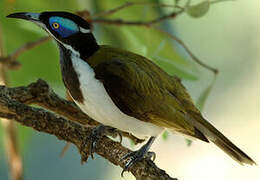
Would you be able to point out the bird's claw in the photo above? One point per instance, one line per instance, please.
(135, 157)
(97, 133)
(95, 136)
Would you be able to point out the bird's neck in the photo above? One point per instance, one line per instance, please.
(78, 49)
(84, 45)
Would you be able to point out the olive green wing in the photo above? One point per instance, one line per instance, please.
(145, 93)
(142, 90)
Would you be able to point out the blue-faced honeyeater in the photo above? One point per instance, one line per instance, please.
(124, 90)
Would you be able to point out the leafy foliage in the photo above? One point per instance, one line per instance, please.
(198, 10)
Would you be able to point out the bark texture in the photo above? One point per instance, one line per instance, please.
(67, 122)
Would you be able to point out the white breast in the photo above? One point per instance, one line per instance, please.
(99, 106)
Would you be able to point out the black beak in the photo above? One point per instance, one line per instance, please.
(26, 16)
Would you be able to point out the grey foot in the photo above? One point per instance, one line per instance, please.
(138, 155)
(97, 133)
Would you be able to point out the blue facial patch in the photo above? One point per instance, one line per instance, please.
(65, 27)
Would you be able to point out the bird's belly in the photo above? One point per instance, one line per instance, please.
(99, 106)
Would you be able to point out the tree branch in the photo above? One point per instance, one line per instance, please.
(41, 94)
(13, 106)
(129, 4)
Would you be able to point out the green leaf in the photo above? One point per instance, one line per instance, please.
(188, 142)
(165, 135)
(204, 95)
(137, 44)
(198, 10)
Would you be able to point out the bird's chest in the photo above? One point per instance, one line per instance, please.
(97, 103)
(94, 100)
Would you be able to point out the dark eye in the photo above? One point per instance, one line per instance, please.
(55, 25)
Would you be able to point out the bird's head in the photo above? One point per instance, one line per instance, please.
(66, 28)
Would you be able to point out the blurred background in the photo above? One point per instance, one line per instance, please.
(227, 37)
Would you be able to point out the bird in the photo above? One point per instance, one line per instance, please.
(123, 90)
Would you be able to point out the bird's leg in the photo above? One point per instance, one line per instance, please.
(139, 155)
(97, 133)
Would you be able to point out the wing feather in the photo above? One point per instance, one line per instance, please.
(144, 94)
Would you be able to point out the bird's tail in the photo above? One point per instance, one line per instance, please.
(222, 142)
(233, 151)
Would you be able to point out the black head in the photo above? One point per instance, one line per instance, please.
(68, 29)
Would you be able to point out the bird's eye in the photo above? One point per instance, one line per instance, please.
(55, 25)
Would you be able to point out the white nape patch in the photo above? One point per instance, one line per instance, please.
(99, 106)
(83, 30)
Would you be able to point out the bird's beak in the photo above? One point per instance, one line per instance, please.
(34, 17)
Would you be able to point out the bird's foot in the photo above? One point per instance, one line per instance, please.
(97, 133)
(138, 155)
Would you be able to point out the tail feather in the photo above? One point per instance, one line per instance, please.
(233, 151)
(221, 141)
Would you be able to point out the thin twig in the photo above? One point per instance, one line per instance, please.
(218, 1)
(180, 42)
(138, 23)
(28, 46)
(112, 11)
(11, 62)
(129, 4)
(10, 131)
(65, 149)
